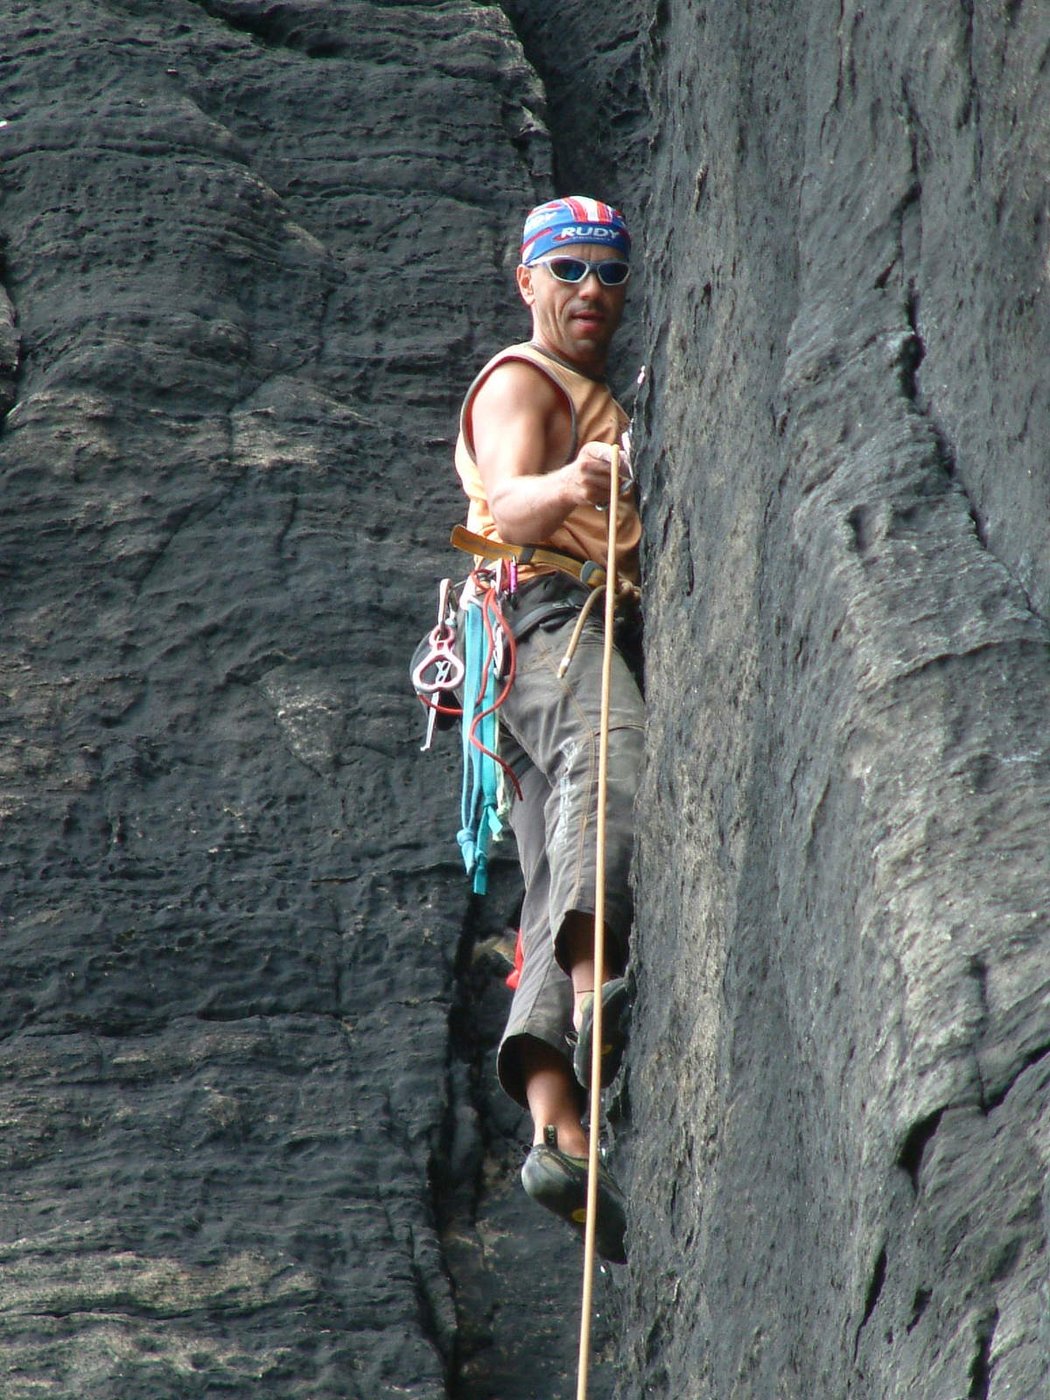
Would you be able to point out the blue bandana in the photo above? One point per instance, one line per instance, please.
(575, 219)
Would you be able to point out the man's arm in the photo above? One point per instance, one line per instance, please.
(521, 431)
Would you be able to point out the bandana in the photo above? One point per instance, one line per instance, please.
(575, 219)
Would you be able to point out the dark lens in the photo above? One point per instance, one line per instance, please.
(568, 269)
(612, 274)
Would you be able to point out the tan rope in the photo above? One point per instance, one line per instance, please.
(585, 613)
(621, 589)
(599, 945)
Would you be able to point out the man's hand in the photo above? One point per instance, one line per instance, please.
(592, 474)
(529, 508)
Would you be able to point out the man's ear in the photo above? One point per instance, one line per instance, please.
(524, 276)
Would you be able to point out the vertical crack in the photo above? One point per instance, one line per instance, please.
(878, 1278)
(981, 1366)
(467, 1145)
(970, 114)
(913, 352)
(595, 105)
(913, 1149)
(871, 1301)
(10, 344)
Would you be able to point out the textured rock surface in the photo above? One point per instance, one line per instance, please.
(251, 254)
(839, 1089)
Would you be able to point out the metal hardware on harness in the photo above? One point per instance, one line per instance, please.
(448, 668)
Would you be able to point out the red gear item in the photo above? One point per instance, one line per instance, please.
(514, 977)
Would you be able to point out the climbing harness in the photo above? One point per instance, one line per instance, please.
(463, 668)
(582, 572)
(585, 571)
(599, 957)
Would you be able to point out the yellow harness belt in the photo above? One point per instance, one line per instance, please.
(584, 571)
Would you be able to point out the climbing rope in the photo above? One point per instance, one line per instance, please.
(599, 946)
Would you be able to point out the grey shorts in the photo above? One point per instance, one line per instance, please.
(555, 724)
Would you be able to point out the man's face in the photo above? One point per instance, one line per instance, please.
(574, 320)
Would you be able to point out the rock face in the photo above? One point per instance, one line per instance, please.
(252, 254)
(839, 1084)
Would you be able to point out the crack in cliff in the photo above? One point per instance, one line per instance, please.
(432, 1326)
(523, 109)
(465, 1139)
(996, 1100)
(323, 321)
(971, 111)
(980, 1367)
(278, 27)
(916, 1141)
(593, 103)
(871, 1300)
(439, 1331)
(907, 262)
(489, 1249)
(845, 67)
(11, 345)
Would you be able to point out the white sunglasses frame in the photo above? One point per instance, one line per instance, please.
(590, 266)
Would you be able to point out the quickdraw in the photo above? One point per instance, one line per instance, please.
(438, 671)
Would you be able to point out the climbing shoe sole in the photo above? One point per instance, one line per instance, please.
(559, 1183)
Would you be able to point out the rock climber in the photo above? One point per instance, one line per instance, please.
(534, 456)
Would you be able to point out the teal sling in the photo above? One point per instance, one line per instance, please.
(479, 804)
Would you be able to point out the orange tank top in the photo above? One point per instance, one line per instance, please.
(595, 417)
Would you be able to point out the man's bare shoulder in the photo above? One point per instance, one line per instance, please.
(519, 421)
(518, 386)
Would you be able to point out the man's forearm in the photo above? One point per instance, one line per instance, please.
(528, 509)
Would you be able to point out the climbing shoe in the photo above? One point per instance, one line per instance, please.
(559, 1182)
(616, 1016)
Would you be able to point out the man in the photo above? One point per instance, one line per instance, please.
(534, 455)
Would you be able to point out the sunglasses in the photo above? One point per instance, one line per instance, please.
(610, 273)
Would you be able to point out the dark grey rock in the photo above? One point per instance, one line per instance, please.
(837, 1071)
(252, 254)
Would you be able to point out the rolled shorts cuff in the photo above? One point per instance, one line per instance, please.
(618, 917)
